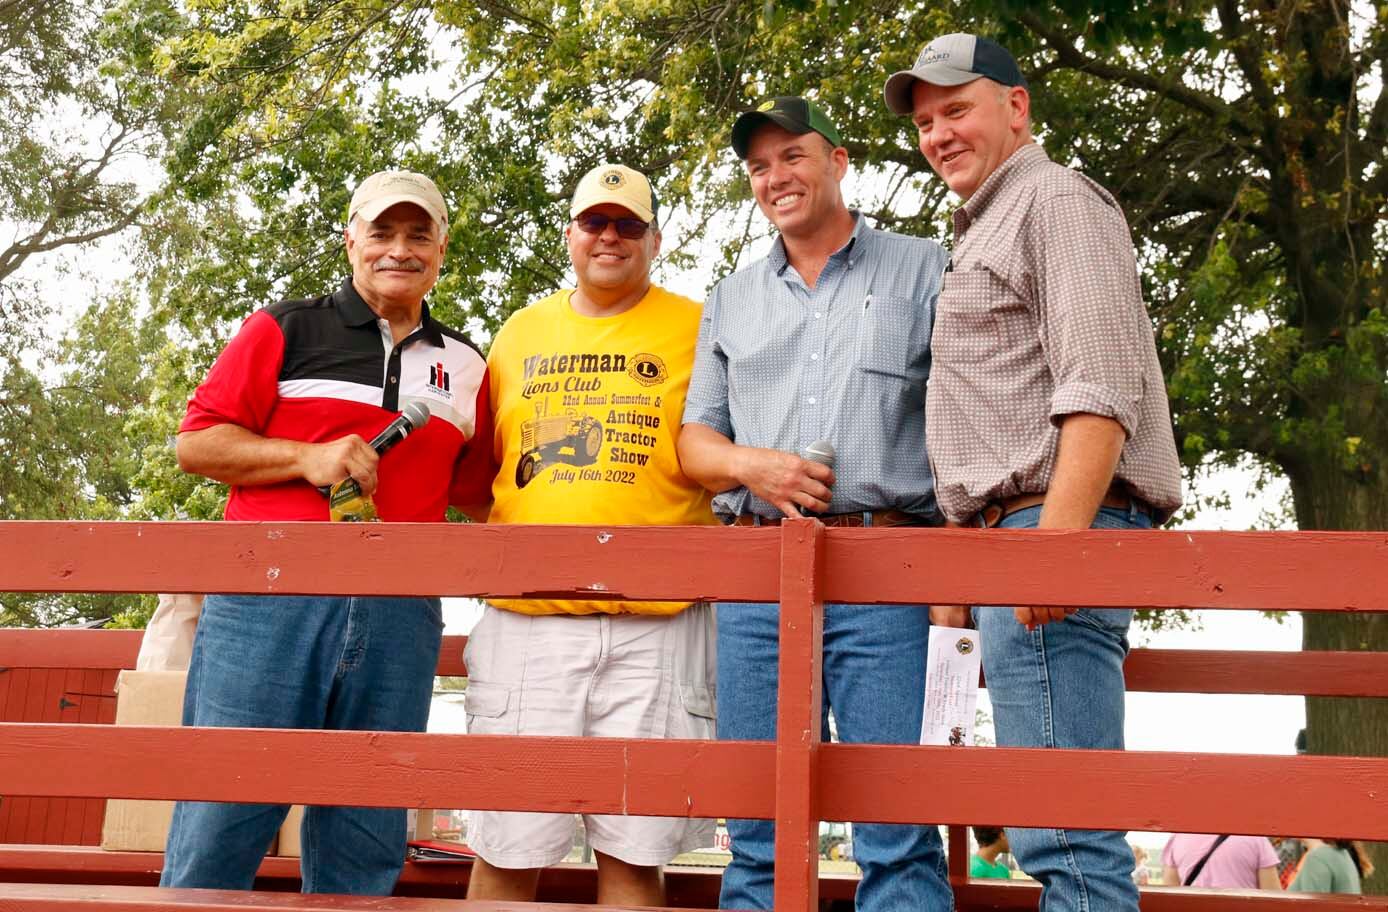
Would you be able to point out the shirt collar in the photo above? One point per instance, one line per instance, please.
(354, 311)
(858, 243)
(1023, 159)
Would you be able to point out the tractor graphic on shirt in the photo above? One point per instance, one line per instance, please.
(571, 438)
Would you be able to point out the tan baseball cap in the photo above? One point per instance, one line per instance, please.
(384, 189)
(616, 184)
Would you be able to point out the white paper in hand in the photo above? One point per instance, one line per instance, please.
(951, 686)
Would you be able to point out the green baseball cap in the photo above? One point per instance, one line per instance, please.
(790, 112)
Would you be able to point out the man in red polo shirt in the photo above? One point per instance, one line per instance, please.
(287, 408)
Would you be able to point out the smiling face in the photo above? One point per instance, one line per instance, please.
(967, 131)
(395, 257)
(607, 265)
(795, 179)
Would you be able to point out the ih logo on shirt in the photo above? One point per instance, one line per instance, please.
(438, 378)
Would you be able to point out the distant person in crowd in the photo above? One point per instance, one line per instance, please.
(588, 386)
(826, 340)
(1290, 851)
(1141, 874)
(992, 842)
(289, 406)
(1047, 409)
(1332, 866)
(1202, 860)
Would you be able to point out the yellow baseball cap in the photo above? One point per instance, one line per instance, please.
(618, 185)
(384, 189)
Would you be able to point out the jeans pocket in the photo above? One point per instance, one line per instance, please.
(1112, 621)
(434, 606)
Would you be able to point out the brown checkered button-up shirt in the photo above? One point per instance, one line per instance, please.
(1041, 316)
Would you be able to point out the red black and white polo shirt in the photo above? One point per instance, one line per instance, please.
(317, 370)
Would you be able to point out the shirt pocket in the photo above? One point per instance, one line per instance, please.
(976, 315)
(885, 329)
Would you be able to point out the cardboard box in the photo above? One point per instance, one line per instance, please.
(156, 698)
(143, 698)
(420, 825)
(289, 833)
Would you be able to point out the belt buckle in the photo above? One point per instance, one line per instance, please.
(992, 514)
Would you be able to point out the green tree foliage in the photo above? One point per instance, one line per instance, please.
(71, 155)
(1247, 142)
(73, 451)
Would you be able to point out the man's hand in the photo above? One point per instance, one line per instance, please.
(782, 479)
(950, 616)
(1086, 458)
(785, 480)
(328, 463)
(1031, 618)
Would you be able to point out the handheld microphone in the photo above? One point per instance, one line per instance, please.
(822, 452)
(414, 416)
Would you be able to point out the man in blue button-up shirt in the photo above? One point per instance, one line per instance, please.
(826, 339)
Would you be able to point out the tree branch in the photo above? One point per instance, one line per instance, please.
(1232, 25)
(1073, 57)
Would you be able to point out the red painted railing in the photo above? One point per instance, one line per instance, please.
(796, 780)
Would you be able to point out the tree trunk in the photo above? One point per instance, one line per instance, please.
(1331, 499)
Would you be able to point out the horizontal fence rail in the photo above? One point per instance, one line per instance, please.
(1270, 571)
(795, 780)
(1205, 671)
(1138, 790)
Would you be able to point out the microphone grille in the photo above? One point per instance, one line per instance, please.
(416, 413)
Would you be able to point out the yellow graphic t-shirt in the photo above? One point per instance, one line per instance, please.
(587, 412)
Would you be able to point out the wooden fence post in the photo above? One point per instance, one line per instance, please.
(797, 719)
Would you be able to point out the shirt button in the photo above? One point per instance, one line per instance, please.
(817, 315)
(810, 400)
(392, 379)
(814, 356)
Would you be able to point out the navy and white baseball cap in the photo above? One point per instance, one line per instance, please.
(952, 60)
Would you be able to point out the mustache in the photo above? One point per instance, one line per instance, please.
(409, 265)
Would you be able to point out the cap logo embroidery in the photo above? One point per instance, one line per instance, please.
(613, 179)
(930, 55)
(766, 106)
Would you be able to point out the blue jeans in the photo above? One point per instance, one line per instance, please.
(874, 679)
(1061, 685)
(313, 662)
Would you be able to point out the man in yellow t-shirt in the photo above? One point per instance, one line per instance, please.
(587, 390)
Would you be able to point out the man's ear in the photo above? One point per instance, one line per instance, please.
(840, 159)
(1019, 105)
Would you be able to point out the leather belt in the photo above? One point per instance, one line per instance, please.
(1116, 497)
(874, 518)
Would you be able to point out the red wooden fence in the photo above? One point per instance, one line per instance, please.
(796, 780)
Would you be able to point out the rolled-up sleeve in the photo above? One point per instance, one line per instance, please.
(707, 402)
(1090, 315)
(242, 387)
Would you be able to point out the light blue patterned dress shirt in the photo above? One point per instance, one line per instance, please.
(782, 365)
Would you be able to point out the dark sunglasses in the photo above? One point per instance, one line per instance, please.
(633, 229)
